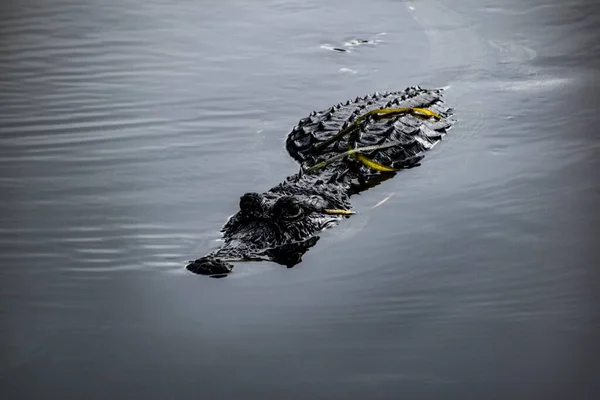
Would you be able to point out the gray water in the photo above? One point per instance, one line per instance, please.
(129, 129)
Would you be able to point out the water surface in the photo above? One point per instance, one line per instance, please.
(129, 129)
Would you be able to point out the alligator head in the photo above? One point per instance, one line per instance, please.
(279, 225)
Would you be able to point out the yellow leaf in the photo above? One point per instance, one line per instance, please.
(373, 164)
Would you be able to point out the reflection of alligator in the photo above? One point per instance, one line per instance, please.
(342, 151)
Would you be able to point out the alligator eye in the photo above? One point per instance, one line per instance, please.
(292, 211)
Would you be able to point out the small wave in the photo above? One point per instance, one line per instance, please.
(345, 70)
(330, 47)
(513, 51)
(353, 43)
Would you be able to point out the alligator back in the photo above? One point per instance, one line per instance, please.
(401, 138)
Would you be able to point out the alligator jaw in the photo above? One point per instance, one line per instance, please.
(217, 264)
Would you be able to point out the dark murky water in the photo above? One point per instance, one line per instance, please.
(129, 129)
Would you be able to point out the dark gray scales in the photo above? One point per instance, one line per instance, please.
(413, 134)
(283, 223)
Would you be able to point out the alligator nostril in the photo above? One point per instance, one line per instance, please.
(251, 203)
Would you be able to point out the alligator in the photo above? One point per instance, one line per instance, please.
(342, 151)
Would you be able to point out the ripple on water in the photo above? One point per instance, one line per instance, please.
(127, 250)
(96, 249)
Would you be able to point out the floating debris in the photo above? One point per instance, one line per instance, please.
(349, 44)
(383, 201)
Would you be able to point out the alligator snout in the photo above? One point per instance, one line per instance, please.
(208, 265)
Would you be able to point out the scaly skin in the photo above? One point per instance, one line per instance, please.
(281, 224)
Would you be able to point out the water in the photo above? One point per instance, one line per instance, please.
(129, 129)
